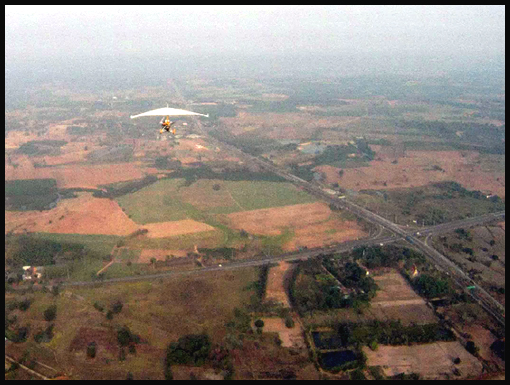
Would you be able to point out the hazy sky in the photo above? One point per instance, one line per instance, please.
(76, 31)
(72, 29)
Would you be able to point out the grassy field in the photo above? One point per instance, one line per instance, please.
(159, 312)
(155, 203)
(172, 200)
(481, 253)
(99, 244)
(428, 205)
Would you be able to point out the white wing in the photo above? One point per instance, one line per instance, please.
(167, 111)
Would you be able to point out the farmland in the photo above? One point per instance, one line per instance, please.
(395, 299)
(88, 188)
(171, 199)
(431, 361)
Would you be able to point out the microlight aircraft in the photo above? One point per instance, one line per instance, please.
(166, 112)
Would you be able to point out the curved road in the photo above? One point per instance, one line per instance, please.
(492, 306)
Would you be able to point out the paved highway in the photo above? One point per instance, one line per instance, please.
(492, 306)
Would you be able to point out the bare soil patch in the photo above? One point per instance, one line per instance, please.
(312, 222)
(397, 300)
(105, 340)
(323, 234)
(415, 169)
(174, 228)
(82, 215)
(431, 361)
(73, 176)
(290, 337)
(276, 289)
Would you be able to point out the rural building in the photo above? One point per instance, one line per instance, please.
(32, 273)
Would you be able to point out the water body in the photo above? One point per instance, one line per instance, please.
(327, 340)
(333, 359)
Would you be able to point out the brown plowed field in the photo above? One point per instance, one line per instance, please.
(414, 170)
(174, 228)
(85, 176)
(431, 361)
(395, 299)
(312, 223)
(82, 215)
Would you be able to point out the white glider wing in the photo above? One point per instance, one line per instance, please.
(167, 111)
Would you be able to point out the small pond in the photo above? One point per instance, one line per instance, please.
(333, 359)
(327, 340)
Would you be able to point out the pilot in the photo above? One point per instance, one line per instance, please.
(165, 124)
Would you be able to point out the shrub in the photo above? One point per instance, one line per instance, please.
(91, 350)
(289, 322)
(24, 304)
(259, 323)
(50, 313)
(117, 307)
(472, 348)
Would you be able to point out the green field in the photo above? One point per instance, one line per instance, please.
(99, 244)
(172, 200)
(261, 194)
(30, 194)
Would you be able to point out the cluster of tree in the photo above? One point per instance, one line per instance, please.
(219, 252)
(353, 276)
(126, 188)
(430, 286)
(455, 190)
(45, 335)
(198, 350)
(50, 313)
(463, 234)
(303, 172)
(260, 289)
(310, 289)
(23, 304)
(30, 194)
(115, 308)
(28, 250)
(163, 162)
(41, 147)
(192, 349)
(18, 336)
(127, 338)
(387, 256)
